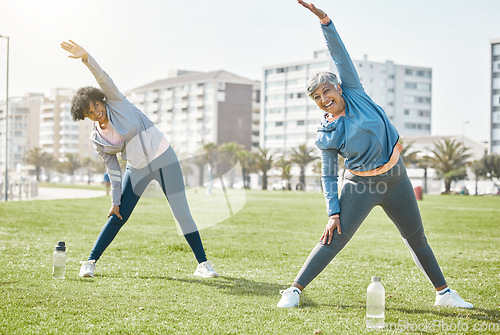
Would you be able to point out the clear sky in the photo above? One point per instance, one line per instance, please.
(137, 42)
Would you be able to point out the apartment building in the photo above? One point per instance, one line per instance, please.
(290, 118)
(59, 134)
(23, 123)
(193, 108)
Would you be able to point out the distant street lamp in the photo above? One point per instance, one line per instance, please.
(463, 131)
(7, 123)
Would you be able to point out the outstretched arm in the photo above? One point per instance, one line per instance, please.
(347, 71)
(110, 90)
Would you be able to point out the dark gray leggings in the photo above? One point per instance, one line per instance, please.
(394, 193)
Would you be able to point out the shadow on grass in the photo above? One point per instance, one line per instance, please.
(236, 286)
(481, 314)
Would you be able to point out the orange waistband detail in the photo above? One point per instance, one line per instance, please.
(384, 168)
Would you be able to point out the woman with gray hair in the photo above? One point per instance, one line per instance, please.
(359, 130)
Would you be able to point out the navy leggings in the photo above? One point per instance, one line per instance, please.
(167, 171)
(394, 193)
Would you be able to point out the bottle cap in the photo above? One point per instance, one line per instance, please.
(375, 279)
(61, 246)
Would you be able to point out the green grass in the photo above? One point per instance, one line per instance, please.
(144, 281)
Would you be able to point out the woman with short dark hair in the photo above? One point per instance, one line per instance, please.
(120, 127)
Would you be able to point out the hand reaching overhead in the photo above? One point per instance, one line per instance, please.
(316, 11)
(76, 50)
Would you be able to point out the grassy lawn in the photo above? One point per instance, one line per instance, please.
(144, 281)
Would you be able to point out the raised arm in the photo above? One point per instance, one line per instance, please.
(347, 72)
(78, 52)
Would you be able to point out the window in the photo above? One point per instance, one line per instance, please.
(409, 72)
(300, 122)
(280, 70)
(279, 124)
(407, 112)
(411, 86)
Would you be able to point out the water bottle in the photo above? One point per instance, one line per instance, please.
(375, 304)
(59, 258)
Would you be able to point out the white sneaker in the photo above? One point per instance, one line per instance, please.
(87, 269)
(205, 269)
(289, 297)
(451, 299)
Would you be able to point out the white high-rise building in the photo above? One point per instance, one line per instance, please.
(495, 96)
(290, 118)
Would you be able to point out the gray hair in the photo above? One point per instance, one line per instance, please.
(320, 78)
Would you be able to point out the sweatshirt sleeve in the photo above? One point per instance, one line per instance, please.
(329, 178)
(107, 85)
(115, 175)
(345, 67)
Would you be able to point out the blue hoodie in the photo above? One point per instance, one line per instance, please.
(364, 135)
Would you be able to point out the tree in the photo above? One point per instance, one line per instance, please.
(317, 167)
(449, 159)
(302, 156)
(70, 164)
(49, 163)
(285, 166)
(263, 163)
(491, 167)
(93, 166)
(228, 157)
(247, 163)
(36, 158)
(425, 162)
(408, 155)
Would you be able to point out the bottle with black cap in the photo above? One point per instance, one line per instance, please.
(59, 258)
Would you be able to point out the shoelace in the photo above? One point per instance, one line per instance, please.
(283, 292)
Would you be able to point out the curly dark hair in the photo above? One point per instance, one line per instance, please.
(82, 98)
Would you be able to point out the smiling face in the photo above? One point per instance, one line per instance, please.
(329, 98)
(97, 112)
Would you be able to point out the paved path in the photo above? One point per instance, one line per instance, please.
(52, 193)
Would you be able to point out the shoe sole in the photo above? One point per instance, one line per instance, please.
(197, 274)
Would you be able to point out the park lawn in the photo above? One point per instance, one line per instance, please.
(144, 282)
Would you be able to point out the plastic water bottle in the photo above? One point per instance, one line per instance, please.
(375, 304)
(59, 258)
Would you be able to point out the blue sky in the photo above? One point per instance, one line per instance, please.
(140, 41)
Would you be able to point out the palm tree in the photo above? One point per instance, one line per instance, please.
(228, 158)
(425, 162)
(285, 165)
(49, 163)
(36, 158)
(491, 166)
(449, 159)
(408, 155)
(70, 164)
(317, 167)
(212, 152)
(247, 166)
(263, 163)
(302, 156)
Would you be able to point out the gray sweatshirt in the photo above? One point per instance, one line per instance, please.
(141, 137)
